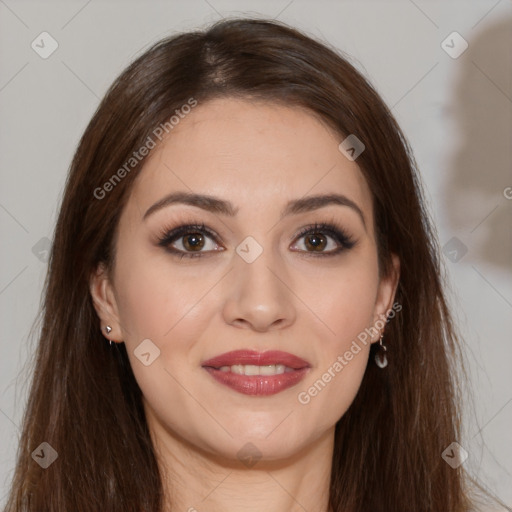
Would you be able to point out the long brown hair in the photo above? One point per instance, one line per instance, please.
(84, 400)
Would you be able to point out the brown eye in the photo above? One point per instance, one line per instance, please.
(324, 240)
(189, 240)
(193, 242)
(315, 242)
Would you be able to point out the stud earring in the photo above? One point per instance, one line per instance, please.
(108, 330)
(381, 359)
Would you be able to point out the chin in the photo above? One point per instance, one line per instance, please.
(248, 447)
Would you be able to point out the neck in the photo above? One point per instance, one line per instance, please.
(195, 480)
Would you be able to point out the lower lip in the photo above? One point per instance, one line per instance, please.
(262, 385)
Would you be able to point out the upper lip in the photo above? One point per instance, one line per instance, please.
(244, 357)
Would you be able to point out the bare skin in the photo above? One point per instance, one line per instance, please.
(292, 298)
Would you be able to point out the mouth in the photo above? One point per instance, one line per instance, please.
(257, 373)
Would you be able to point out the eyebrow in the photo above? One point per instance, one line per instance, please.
(220, 206)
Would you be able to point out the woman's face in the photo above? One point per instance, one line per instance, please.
(249, 280)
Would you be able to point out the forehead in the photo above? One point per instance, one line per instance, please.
(256, 154)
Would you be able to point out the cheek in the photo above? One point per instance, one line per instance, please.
(172, 309)
(343, 300)
(324, 398)
(154, 297)
(346, 309)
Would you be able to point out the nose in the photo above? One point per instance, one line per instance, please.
(259, 297)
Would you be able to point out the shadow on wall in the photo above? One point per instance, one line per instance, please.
(479, 187)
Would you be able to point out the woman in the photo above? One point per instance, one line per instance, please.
(244, 223)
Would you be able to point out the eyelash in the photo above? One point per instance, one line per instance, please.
(167, 237)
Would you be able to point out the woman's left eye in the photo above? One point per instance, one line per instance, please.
(317, 237)
(195, 240)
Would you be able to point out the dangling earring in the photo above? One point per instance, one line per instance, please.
(381, 359)
(108, 330)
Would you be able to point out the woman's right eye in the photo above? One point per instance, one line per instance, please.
(190, 241)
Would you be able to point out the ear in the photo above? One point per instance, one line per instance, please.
(104, 301)
(385, 297)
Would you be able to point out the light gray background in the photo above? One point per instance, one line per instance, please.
(457, 114)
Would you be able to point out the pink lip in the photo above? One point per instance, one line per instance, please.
(263, 385)
(257, 358)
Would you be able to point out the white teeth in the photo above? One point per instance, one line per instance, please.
(271, 369)
(252, 369)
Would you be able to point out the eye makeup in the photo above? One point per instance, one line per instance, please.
(196, 235)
